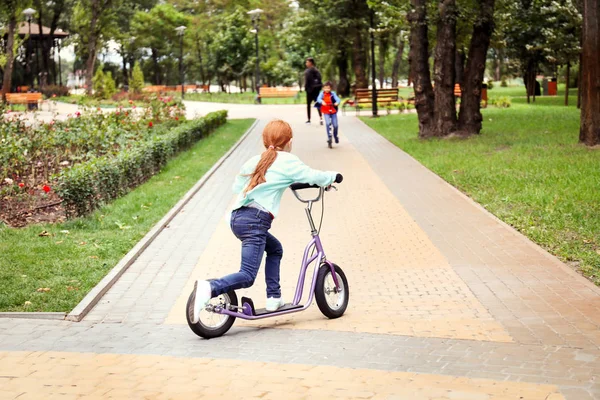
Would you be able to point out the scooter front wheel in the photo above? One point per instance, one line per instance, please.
(211, 324)
(331, 301)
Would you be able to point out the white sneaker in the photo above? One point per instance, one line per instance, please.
(203, 294)
(274, 304)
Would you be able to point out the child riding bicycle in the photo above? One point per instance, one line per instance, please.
(260, 186)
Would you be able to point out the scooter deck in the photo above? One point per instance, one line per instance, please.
(289, 306)
(263, 311)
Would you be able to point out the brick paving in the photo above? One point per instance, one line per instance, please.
(446, 302)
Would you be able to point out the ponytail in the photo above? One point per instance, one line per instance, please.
(267, 159)
(276, 135)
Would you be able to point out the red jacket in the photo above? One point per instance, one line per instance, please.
(327, 103)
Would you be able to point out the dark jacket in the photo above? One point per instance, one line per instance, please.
(312, 79)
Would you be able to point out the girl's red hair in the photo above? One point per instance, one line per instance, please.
(276, 136)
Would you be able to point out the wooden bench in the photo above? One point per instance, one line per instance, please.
(154, 89)
(484, 98)
(277, 92)
(185, 88)
(365, 96)
(457, 92)
(24, 98)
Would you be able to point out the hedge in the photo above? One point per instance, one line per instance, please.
(86, 186)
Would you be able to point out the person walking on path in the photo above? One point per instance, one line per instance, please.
(329, 102)
(312, 86)
(260, 186)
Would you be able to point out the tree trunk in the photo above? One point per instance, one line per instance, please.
(444, 112)
(201, 61)
(48, 43)
(125, 72)
(459, 68)
(92, 45)
(567, 84)
(579, 78)
(343, 86)
(42, 44)
(10, 56)
(419, 64)
(589, 132)
(359, 59)
(382, 56)
(397, 61)
(530, 81)
(533, 81)
(497, 77)
(156, 66)
(470, 117)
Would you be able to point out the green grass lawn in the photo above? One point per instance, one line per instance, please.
(79, 253)
(527, 168)
(243, 98)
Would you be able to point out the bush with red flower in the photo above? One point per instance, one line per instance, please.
(37, 153)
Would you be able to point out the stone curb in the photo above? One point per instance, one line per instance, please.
(34, 315)
(529, 242)
(94, 296)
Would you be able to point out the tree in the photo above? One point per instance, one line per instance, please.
(137, 79)
(94, 21)
(51, 14)
(398, 58)
(342, 27)
(444, 114)
(9, 9)
(436, 108)
(562, 36)
(469, 118)
(125, 10)
(589, 132)
(419, 66)
(232, 47)
(155, 30)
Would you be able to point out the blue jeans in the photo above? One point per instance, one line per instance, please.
(331, 119)
(251, 226)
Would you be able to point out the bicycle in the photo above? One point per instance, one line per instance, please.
(329, 286)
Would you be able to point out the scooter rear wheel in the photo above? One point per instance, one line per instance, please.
(331, 302)
(211, 325)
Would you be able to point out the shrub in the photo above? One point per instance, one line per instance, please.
(110, 87)
(136, 83)
(501, 102)
(86, 186)
(103, 84)
(490, 84)
(55, 90)
(98, 83)
(503, 83)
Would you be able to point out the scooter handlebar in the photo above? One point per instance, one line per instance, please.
(299, 186)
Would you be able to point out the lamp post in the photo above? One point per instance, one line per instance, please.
(374, 89)
(180, 31)
(28, 13)
(255, 14)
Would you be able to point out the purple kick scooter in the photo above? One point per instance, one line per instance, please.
(329, 287)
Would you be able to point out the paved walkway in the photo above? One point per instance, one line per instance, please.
(446, 301)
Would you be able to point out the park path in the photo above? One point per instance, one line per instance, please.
(446, 301)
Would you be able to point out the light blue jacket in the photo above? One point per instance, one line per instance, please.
(334, 96)
(285, 170)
